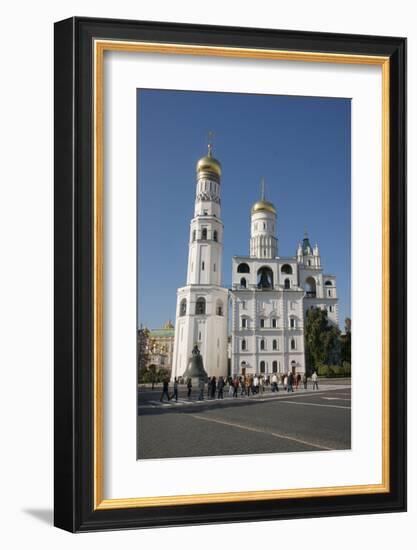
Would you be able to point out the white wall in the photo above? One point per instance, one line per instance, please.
(26, 274)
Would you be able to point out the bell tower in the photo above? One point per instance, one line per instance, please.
(206, 228)
(202, 305)
(263, 243)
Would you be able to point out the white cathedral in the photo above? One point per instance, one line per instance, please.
(269, 298)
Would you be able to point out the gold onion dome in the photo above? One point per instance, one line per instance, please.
(209, 163)
(263, 206)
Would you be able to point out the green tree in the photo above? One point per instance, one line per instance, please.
(321, 340)
(143, 352)
(346, 342)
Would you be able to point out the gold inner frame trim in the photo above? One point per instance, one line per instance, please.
(99, 47)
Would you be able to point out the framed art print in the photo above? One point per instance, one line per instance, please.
(230, 272)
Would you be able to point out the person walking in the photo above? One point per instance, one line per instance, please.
(220, 386)
(298, 381)
(256, 384)
(305, 380)
(248, 385)
(231, 387)
(175, 394)
(213, 388)
(274, 385)
(290, 382)
(235, 384)
(314, 378)
(165, 388)
(189, 388)
(201, 389)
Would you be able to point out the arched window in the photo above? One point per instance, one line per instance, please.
(214, 235)
(292, 322)
(328, 283)
(292, 343)
(243, 268)
(265, 278)
(262, 322)
(200, 306)
(262, 366)
(243, 345)
(274, 323)
(204, 234)
(219, 307)
(310, 287)
(183, 307)
(274, 366)
(244, 322)
(262, 344)
(287, 269)
(287, 283)
(274, 344)
(243, 282)
(194, 234)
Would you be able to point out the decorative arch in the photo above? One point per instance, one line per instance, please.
(287, 269)
(243, 268)
(310, 287)
(265, 278)
(328, 283)
(200, 306)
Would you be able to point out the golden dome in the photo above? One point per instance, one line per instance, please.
(263, 206)
(209, 164)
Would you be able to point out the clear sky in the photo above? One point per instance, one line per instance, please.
(300, 145)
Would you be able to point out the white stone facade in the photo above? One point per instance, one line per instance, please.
(270, 297)
(202, 305)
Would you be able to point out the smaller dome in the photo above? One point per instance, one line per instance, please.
(209, 164)
(263, 206)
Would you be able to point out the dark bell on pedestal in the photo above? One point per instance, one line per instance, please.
(195, 367)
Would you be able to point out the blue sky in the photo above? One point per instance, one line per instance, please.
(300, 145)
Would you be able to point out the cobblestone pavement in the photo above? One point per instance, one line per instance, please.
(305, 420)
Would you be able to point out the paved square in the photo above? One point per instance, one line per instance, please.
(305, 420)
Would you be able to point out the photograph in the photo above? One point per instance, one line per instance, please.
(243, 274)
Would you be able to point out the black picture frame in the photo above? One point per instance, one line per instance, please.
(74, 267)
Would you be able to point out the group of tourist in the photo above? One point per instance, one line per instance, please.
(241, 385)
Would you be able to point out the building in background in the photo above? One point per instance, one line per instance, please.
(270, 294)
(161, 347)
(270, 297)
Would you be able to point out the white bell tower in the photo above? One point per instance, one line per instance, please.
(202, 306)
(263, 243)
